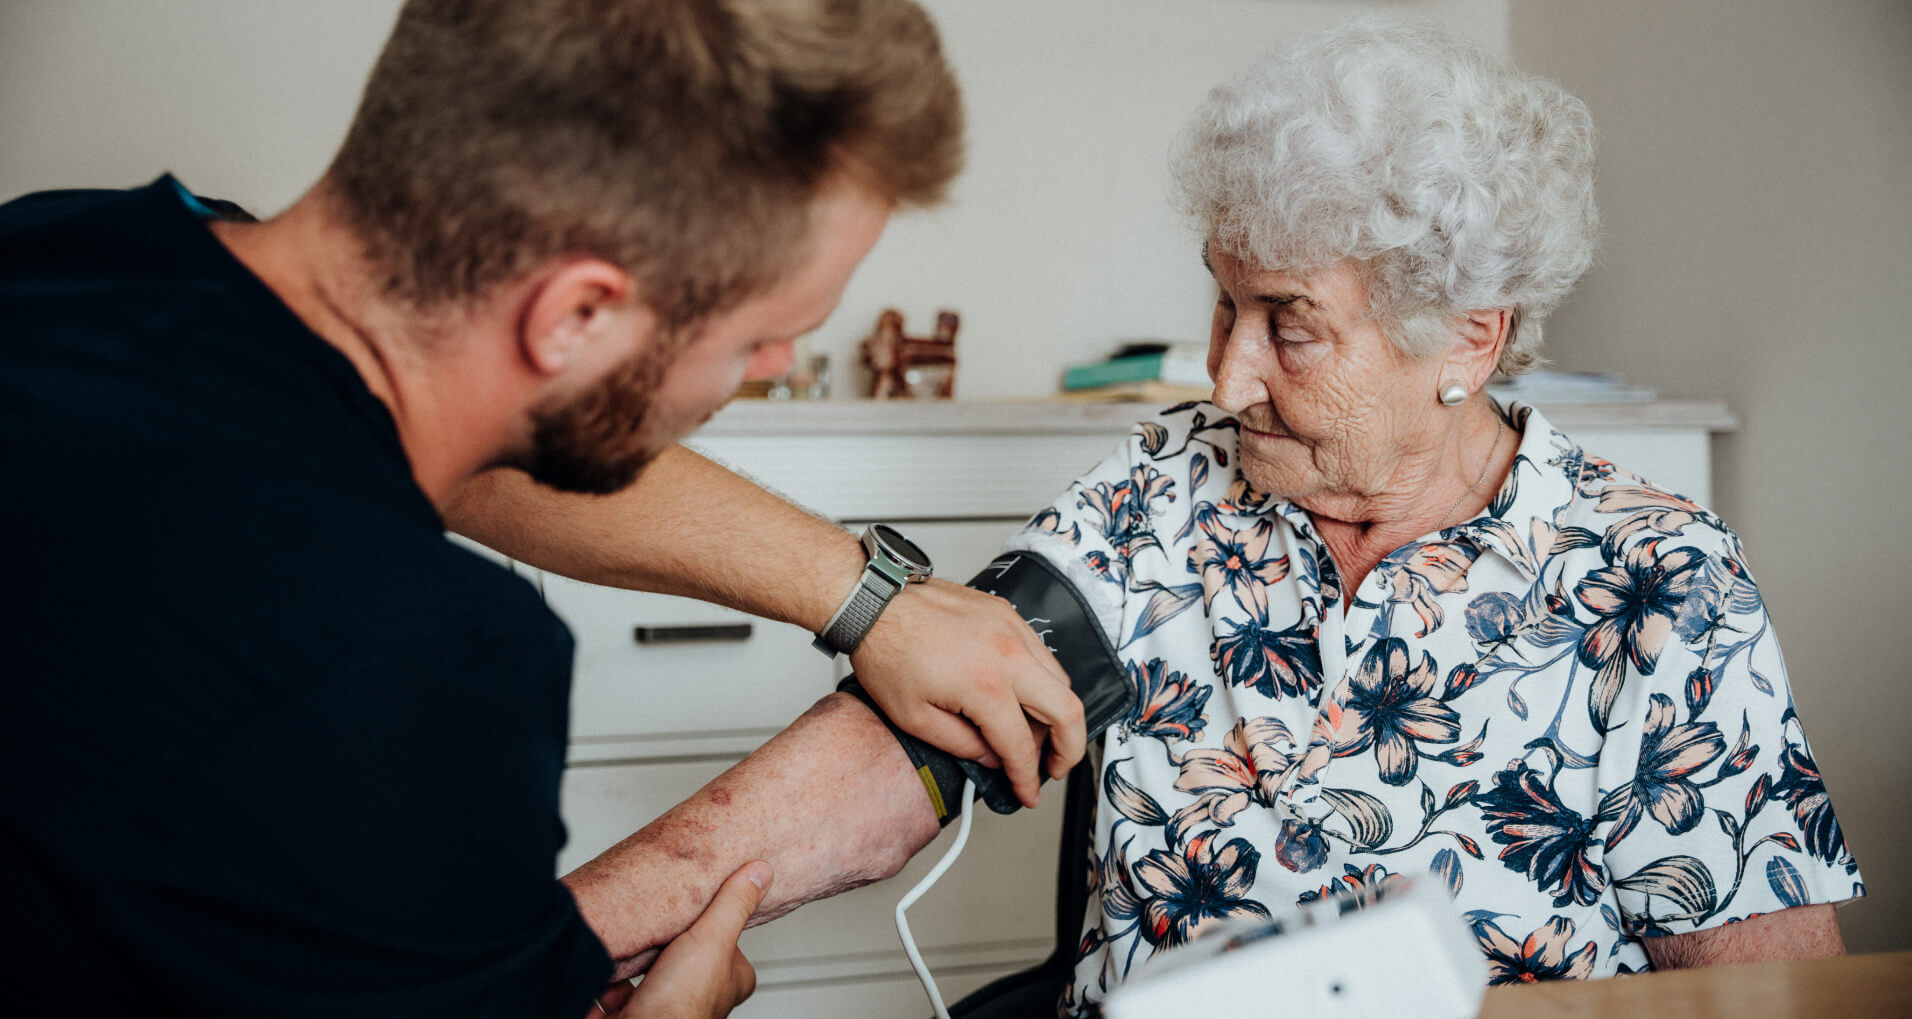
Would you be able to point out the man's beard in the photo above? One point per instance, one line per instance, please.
(598, 441)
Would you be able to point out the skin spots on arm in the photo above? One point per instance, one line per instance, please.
(831, 803)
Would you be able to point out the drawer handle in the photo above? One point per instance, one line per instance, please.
(707, 633)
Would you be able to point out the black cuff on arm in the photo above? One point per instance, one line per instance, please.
(1061, 616)
(942, 773)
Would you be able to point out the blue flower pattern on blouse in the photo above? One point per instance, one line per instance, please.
(1532, 708)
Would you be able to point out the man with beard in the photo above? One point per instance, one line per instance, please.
(271, 745)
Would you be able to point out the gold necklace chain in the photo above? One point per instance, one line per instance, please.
(1500, 427)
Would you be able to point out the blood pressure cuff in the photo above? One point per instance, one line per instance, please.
(1062, 617)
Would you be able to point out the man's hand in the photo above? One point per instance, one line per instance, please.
(959, 669)
(702, 974)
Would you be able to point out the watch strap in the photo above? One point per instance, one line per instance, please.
(846, 630)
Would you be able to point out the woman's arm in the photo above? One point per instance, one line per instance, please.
(953, 666)
(1801, 932)
(831, 803)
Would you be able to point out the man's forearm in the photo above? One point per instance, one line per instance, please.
(687, 526)
(954, 666)
(830, 803)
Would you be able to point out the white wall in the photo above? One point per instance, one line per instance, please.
(1058, 241)
(244, 99)
(1755, 170)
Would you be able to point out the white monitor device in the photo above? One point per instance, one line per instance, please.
(1407, 954)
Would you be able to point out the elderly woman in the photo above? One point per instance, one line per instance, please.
(1383, 627)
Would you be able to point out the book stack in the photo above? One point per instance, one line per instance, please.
(1144, 371)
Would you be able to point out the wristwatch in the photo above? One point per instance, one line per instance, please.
(894, 562)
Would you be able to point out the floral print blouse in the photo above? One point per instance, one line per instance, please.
(1571, 711)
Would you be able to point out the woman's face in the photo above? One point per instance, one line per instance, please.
(1329, 409)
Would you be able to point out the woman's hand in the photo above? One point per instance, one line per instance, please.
(958, 668)
(702, 974)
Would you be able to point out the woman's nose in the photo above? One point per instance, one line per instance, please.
(1238, 383)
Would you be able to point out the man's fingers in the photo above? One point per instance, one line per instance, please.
(1007, 730)
(701, 973)
(1057, 706)
(1043, 656)
(946, 731)
(743, 976)
(736, 900)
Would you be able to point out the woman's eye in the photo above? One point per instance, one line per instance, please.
(1298, 349)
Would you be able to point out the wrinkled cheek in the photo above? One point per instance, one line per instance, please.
(1282, 467)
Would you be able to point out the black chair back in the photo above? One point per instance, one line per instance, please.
(1033, 993)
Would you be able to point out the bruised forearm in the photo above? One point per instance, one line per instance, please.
(687, 526)
(830, 803)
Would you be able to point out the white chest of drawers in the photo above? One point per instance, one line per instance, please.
(651, 723)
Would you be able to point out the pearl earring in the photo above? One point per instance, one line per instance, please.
(1453, 394)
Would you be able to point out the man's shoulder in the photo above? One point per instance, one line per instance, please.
(41, 228)
(40, 208)
(88, 261)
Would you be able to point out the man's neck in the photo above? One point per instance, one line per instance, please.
(453, 416)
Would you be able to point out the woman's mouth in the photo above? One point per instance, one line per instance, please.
(1261, 427)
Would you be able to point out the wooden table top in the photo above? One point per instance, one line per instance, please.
(1852, 986)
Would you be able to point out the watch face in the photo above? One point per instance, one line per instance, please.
(901, 547)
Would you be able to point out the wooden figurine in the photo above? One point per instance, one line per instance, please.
(909, 366)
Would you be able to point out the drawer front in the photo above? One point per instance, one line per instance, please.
(996, 905)
(673, 697)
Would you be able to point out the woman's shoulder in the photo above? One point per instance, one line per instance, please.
(1618, 511)
(1563, 501)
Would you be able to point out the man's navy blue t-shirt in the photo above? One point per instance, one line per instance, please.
(269, 744)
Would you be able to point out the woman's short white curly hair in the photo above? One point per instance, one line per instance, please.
(1454, 181)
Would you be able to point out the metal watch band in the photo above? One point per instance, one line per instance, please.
(858, 613)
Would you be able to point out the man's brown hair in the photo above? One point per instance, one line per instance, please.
(683, 140)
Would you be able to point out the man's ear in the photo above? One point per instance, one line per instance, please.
(1479, 337)
(581, 313)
